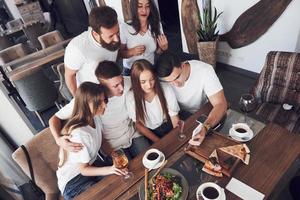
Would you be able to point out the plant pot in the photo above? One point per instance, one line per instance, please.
(207, 52)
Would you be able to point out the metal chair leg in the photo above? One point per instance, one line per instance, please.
(40, 118)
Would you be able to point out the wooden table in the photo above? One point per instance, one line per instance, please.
(33, 62)
(271, 162)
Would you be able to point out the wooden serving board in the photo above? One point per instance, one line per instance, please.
(212, 142)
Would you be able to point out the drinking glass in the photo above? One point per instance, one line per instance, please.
(181, 135)
(120, 161)
(247, 104)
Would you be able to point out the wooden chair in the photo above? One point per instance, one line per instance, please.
(279, 84)
(38, 92)
(5, 42)
(14, 24)
(63, 88)
(50, 38)
(12, 53)
(43, 152)
(32, 32)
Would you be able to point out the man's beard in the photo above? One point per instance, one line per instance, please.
(113, 46)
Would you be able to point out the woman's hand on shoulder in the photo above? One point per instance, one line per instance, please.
(162, 42)
(66, 144)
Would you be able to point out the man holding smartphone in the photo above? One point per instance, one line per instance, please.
(194, 84)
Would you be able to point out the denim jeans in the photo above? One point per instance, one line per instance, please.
(138, 145)
(80, 183)
(126, 71)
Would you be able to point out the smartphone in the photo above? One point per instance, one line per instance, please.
(201, 119)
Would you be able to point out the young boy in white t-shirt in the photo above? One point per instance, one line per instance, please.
(194, 83)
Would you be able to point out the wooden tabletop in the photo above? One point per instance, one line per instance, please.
(111, 187)
(273, 153)
(33, 62)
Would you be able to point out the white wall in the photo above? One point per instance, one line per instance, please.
(13, 121)
(13, 8)
(284, 35)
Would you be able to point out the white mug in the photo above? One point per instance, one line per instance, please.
(241, 126)
(152, 157)
(203, 190)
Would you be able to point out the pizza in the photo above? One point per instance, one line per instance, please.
(240, 151)
(212, 165)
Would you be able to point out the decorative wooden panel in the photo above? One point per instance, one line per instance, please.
(190, 23)
(102, 2)
(254, 22)
(126, 10)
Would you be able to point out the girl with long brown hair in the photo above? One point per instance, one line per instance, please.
(79, 170)
(151, 105)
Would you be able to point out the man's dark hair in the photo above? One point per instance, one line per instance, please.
(165, 64)
(107, 69)
(104, 16)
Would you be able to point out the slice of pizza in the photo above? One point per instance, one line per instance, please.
(212, 166)
(240, 151)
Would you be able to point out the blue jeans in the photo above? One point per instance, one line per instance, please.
(138, 145)
(80, 183)
(126, 71)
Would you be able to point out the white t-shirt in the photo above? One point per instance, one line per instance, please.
(91, 139)
(83, 54)
(127, 37)
(117, 127)
(202, 83)
(155, 116)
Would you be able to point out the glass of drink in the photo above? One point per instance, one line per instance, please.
(120, 161)
(181, 135)
(247, 104)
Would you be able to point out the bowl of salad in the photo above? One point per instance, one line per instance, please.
(169, 184)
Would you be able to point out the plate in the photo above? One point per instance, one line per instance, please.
(184, 183)
(235, 137)
(222, 196)
(162, 160)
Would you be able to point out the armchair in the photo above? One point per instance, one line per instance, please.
(279, 84)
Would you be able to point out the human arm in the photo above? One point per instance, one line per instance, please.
(55, 125)
(146, 132)
(175, 121)
(219, 104)
(135, 51)
(89, 170)
(70, 77)
(162, 42)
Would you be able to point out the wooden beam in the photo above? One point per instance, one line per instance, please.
(126, 10)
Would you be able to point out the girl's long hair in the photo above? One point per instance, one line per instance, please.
(87, 93)
(139, 96)
(153, 18)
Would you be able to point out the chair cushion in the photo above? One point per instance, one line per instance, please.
(279, 79)
(289, 119)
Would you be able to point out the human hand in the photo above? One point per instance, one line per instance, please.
(138, 50)
(198, 138)
(113, 170)
(66, 144)
(162, 42)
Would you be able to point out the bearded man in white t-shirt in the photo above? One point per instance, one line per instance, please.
(117, 128)
(100, 42)
(194, 84)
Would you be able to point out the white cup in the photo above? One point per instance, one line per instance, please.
(152, 157)
(209, 191)
(241, 126)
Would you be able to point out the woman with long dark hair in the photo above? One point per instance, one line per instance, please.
(79, 170)
(151, 105)
(143, 36)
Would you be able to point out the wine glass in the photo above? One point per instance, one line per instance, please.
(181, 135)
(247, 104)
(120, 161)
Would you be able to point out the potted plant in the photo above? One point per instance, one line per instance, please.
(207, 33)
